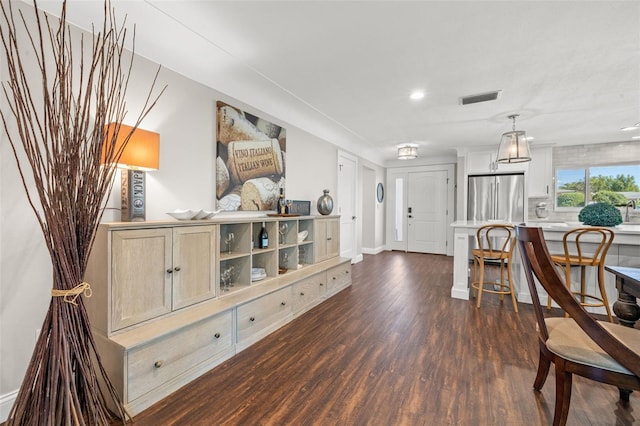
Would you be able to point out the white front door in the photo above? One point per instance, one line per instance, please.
(427, 212)
(347, 204)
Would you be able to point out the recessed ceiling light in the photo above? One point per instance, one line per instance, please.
(630, 128)
(417, 95)
(530, 138)
(635, 137)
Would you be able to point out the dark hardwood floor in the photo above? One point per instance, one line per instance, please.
(393, 349)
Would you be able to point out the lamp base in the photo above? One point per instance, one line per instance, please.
(132, 193)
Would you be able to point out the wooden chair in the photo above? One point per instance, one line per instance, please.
(600, 240)
(598, 350)
(495, 245)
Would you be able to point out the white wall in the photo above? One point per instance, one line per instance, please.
(185, 119)
(373, 212)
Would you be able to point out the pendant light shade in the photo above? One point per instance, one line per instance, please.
(407, 152)
(514, 147)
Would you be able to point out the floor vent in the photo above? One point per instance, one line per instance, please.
(482, 97)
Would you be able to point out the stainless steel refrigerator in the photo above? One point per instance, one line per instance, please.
(498, 197)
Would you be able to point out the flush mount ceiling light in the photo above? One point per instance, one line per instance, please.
(514, 147)
(407, 151)
(417, 95)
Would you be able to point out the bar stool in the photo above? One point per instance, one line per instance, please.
(574, 255)
(495, 244)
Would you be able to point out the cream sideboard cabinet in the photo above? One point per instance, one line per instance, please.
(161, 313)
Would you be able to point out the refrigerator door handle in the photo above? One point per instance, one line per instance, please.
(492, 200)
(497, 208)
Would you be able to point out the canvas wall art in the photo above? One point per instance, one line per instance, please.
(250, 160)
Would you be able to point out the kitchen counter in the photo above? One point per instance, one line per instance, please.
(624, 251)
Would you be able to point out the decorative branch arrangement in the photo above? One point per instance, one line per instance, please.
(59, 138)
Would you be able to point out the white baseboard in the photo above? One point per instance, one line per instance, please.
(372, 250)
(6, 402)
(358, 258)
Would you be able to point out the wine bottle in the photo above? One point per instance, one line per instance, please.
(264, 237)
(281, 202)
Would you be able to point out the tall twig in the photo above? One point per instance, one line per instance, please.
(60, 121)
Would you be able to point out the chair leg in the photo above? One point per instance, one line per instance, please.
(603, 292)
(624, 394)
(544, 364)
(501, 280)
(567, 280)
(512, 288)
(563, 394)
(480, 282)
(583, 284)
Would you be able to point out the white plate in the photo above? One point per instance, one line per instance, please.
(182, 214)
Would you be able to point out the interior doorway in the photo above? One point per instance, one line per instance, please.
(347, 204)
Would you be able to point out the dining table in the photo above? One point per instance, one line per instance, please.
(628, 285)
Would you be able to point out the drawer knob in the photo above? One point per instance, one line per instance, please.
(301, 294)
(347, 272)
(283, 303)
(334, 278)
(329, 239)
(252, 319)
(321, 284)
(177, 268)
(169, 271)
(158, 364)
(217, 335)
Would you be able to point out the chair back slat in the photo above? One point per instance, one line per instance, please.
(537, 262)
(572, 241)
(495, 239)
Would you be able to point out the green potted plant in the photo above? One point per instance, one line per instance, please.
(600, 214)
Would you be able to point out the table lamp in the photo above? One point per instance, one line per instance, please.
(141, 153)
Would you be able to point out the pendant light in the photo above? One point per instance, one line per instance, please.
(514, 147)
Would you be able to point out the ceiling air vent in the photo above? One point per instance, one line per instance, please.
(482, 97)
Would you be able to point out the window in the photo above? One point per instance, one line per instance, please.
(616, 184)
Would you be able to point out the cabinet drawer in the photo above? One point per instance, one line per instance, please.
(154, 364)
(338, 277)
(308, 291)
(268, 310)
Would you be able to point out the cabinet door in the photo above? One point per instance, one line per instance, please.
(140, 284)
(333, 238)
(540, 173)
(320, 239)
(194, 266)
(481, 162)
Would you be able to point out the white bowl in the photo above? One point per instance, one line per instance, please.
(302, 235)
(209, 214)
(200, 214)
(182, 214)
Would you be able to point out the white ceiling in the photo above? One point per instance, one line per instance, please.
(344, 70)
